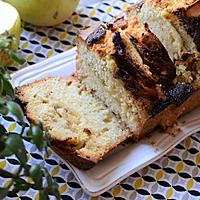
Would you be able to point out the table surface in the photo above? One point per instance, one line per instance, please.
(174, 176)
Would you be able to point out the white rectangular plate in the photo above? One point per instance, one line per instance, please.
(120, 164)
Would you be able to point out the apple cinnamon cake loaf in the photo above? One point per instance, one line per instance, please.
(177, 26)
(81, 127)
(133, 74)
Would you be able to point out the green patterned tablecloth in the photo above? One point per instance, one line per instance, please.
(174, 176)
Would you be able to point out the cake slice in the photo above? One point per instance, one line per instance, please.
(129, 69)
(176, 24)
(82, 128)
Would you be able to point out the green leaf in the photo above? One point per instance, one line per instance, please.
(17, 57)
(2, 130)
(5, 153)
(15, 144)
(43, 195)
(20, 180)
(5, 174)
(2, 145)
(52, 185)
(37, 135)
(3, 193)
(21, 186)
(29, 132)
(15, 109)
(36, 174)
(1, 85)
(2, 70)
(7, 88)
(3, 109)
(54, 190)
(3, 44)
(48, 177)
(6, 75)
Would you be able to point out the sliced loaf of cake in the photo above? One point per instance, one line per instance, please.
(82, 128)
(131, 71)
(177, 25)
(133, 74)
